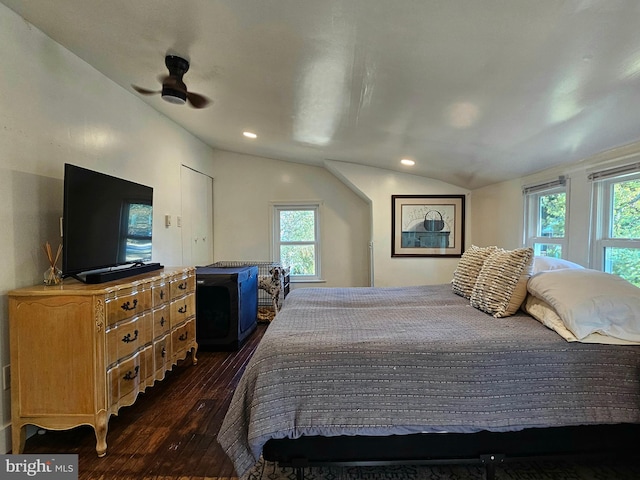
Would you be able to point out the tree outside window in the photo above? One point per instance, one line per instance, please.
(546, 218)
(621, 251)
(296, 240)
(551, 223)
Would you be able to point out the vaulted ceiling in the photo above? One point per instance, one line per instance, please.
(474, 91)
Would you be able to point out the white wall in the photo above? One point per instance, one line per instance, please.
(356, 211)
(498, 210)
(243, 190)
(377, 186)
(497, 215)
(55, 108)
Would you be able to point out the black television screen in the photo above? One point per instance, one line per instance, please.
(107, 223)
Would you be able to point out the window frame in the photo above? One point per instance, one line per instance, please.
(601, 217)
(532, 195)
(276, 243)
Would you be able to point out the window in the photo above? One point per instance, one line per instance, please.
(616, 222)
(546, 218)
(137, 218)
(297, 239)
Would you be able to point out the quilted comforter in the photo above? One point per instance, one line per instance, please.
(383, 361)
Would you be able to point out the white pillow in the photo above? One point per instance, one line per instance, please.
(545, 314)
(541, 264)
(589, 301)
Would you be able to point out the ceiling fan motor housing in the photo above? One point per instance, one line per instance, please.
(172, 95)
(177, 68)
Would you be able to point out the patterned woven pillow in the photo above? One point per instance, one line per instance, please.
(468, 268)
(501, 286)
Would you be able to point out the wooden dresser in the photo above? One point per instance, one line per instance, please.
(80, 352)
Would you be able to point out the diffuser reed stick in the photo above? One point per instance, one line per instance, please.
(53, 275)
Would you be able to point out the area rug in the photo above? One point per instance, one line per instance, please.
(508, 471)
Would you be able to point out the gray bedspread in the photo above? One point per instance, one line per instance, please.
(382, 361)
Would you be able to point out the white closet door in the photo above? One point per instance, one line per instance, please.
(197, 217)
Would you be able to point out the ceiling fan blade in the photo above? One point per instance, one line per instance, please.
(144, 91)
(197, 101)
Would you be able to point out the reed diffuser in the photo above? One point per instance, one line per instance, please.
(53, 275)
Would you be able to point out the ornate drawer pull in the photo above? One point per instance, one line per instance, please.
(162, 321)
(182, 286)
(182, 309)
(127, 338)
(164, 352)
(184, 336)
(131, 375)
(127, 305)
(161, 294)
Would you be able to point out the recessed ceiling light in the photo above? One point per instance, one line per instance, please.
(249, 134)
(408, 162)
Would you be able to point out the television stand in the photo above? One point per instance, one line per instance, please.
(107, 275)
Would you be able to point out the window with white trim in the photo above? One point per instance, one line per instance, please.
(296, 239)
(616, 222)
(546, 207)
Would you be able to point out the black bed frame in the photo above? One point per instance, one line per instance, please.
(618, 441)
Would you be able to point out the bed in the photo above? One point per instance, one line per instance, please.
(415, 374)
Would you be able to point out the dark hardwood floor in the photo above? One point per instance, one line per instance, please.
(170, 432)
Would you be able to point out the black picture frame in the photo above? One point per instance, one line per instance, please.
(427, 225)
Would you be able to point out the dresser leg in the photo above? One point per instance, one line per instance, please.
(101, 434)
(193, 354)
(18, 438)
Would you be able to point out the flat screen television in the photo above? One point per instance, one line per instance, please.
(106, 226)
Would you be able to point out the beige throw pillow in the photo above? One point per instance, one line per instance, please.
(501, 286)
(468, 269)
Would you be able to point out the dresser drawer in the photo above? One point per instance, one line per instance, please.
(160, 292)
(162, 356)
(182, 309)
(161, 323)
(128, 378)
(183, 338)
(182, 285)
(128, 336)
(127, 303)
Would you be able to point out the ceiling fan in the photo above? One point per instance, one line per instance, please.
(173, 88)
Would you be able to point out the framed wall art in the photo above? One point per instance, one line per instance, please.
(427, 225)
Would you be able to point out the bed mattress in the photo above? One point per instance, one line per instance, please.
(396, 361)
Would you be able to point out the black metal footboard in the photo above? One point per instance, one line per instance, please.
(482, 448)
